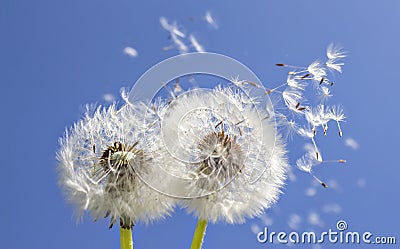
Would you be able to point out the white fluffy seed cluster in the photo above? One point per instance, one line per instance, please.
(220, 140)
(98, 160)
(216, 152)
(230, 150)
(303, 116)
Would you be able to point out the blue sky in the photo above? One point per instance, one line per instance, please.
(55, 56)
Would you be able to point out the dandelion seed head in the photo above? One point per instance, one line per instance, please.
(98, 163)
(224, 141)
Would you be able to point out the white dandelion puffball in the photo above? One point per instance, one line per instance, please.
(225, 145)
(98, 160)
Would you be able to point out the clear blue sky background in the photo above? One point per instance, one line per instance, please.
(56, 56)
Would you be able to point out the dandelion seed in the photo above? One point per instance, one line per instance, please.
(324, 93)
(335, 65)
(266, 220)
(306, 163)
(294, 221)
(210, 20)
(318, 116)
(313, 158)
(236, 81)
(315, 219)
(179, 44)
(350, 142)
(166, 48)
(196, 44)
(294, 96)
(108, 97)
(336, 113)
(172, 28)
(332, 208)
(335, 52)
(291, 98)
(293, 82)
(317, 70)
(130, 51)
(255, 228)
(289, 126)
(311, 192)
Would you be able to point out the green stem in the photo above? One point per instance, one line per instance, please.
(199, 234)
(125, 238)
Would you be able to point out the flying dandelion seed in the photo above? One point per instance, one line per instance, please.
(255, 228)
(172, 28)
(180, 45)
(294, 221)
(210, 20)
(300, 116)
(108, 97)
(314, 219)
(311, 192)
(335, 53)
(353, 144)
(266, 220)
(332, 208)
(196, 45)
(131, 52)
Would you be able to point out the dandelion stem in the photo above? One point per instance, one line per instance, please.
(199, 234)
(126, 238)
